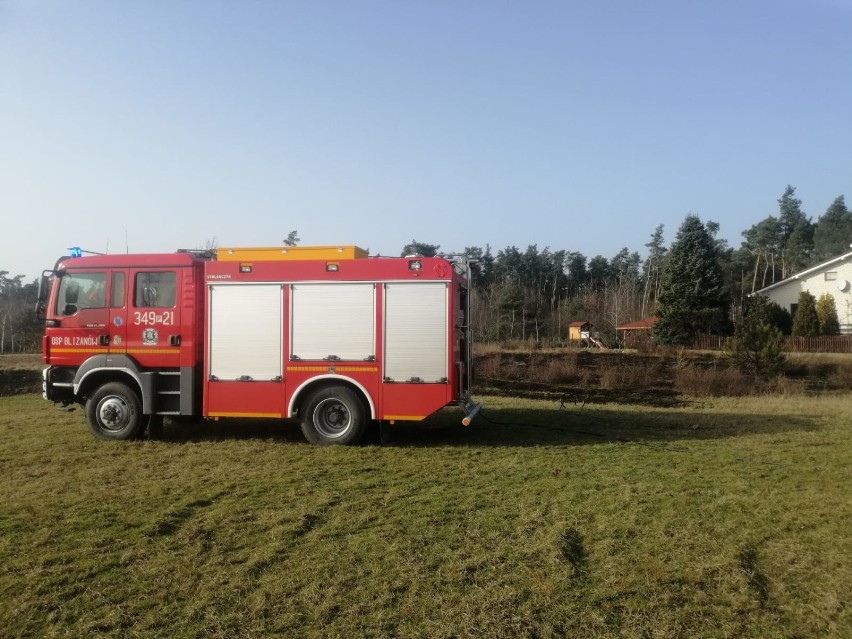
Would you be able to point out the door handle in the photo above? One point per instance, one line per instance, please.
(103, 340)
(174, 340)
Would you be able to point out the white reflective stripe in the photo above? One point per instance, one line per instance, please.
(416, 331)
(333, 320)
(246, 327)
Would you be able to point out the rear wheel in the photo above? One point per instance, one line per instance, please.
(334, 415)
(114, 412)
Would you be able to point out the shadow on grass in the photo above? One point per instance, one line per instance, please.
(193, 431)
(576, 426)
(651, 397)
(512, 427)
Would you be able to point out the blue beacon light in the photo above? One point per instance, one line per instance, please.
(76, 251)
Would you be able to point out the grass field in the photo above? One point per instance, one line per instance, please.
(720, 518)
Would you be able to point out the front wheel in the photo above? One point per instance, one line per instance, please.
(114, 412)
(334, 415)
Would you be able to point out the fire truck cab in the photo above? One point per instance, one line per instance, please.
(327, 335)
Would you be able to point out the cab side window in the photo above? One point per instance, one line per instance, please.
(155, 289)
(117, 291)
(78, 291)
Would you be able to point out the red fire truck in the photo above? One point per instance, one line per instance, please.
(327, 335)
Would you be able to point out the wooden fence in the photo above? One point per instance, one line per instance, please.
(821, 344)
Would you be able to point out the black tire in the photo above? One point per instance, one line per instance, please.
(334, 415)
(114, 412)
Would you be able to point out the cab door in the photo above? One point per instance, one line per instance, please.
(153, 320)
(79, 329)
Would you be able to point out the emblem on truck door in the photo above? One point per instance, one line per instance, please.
(149, 337)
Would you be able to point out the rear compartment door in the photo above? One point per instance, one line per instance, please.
(416, 339)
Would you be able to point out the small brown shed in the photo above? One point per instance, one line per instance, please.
(635, 333)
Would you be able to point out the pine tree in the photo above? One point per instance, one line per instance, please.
(833, 233)
(420, 248)
(758, 347)
(827, 314)
(806, 320)
(779, 317)
(693, 297)
(763, 242)
(797, 232)
(651, 269)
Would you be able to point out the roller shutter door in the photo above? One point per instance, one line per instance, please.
(416, 332)
(334, 321)
(246, 328)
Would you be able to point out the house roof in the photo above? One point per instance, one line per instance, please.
(806, 272)
(644, 323)
(578, 323)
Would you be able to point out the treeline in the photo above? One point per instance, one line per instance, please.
(532, 294)
(20, 331)
(779, 246)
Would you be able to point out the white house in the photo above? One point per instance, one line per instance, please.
(833, 277)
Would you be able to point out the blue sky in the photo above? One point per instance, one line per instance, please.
(577, 125)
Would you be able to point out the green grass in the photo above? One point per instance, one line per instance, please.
(725, 518)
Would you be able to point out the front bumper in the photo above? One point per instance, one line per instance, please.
(57, 385)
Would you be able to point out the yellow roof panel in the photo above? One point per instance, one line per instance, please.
(276, 253)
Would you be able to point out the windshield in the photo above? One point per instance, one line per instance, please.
(79, 291)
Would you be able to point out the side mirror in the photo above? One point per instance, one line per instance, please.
(43, 292)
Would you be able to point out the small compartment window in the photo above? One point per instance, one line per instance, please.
(830, 276)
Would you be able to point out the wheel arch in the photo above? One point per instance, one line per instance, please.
(102, 369)
(310, 386)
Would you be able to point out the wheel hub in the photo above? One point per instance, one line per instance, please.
(113, 413)
(332, 418)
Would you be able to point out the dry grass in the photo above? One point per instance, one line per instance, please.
(841, 376)
(689, 373)
(26, 361)
(712, 382)
(628, 372)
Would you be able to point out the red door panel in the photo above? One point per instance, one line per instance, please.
(153, 319)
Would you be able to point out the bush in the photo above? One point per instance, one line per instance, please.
(827, 315)
(806, 320)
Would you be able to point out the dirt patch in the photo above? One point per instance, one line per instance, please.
(660, 379)
(19, 382)
(582, 376)
(20, 374)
